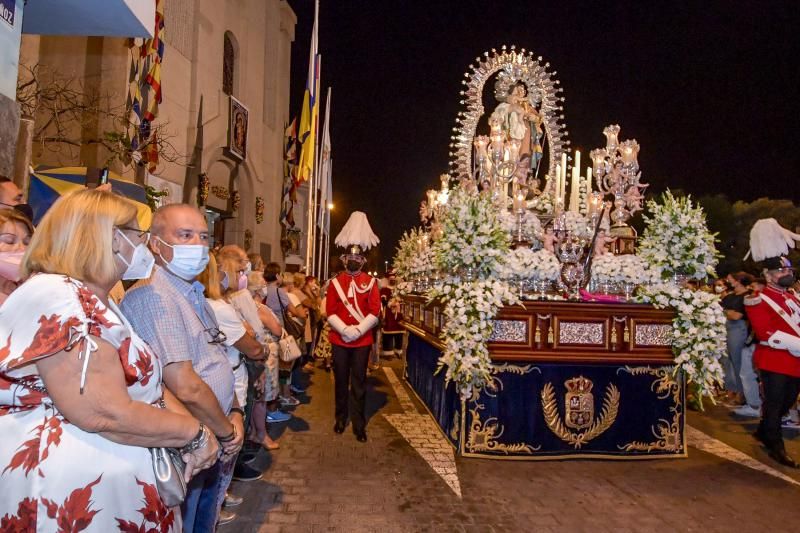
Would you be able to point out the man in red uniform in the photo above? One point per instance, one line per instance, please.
(352, 304)
(774, 314)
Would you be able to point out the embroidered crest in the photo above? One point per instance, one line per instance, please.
(579, 411)
(579, 403)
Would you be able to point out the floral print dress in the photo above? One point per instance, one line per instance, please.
(53, 475)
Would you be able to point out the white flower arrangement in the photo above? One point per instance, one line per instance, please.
(413, 257)
(676, 239)
(698, 332)
(530, 223)
(469, 310)
(578, 225)
(546, 266)
(472, 235)
(518, 264)
(629, 268)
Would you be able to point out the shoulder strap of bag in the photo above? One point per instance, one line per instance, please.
(353, 312)
(781, 312)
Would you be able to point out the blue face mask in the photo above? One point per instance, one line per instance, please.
(224, 281)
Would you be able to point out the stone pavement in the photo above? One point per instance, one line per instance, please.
(320, 481)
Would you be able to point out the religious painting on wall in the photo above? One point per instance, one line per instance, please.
(237, 130)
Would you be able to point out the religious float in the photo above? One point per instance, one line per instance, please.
(541, 326)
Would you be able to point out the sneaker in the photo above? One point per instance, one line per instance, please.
(788, 423)
(277, 416)
(746, 410)
(225, 517)
(232, 500)
(296, 389)
(243, 472)
(291, 401)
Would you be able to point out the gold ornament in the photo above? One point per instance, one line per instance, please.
(577, 401)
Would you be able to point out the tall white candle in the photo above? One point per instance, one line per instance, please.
(564, 168)
(578, 160)
(573, 190)
(557, 187)
(589, 179)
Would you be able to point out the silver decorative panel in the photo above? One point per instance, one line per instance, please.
(509, 331)
(581, 333)
(653, 335)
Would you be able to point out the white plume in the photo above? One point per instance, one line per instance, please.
(357, 231)
(769, 239)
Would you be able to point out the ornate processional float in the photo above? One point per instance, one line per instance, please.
(538, 328)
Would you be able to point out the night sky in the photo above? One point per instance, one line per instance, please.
(710, 92)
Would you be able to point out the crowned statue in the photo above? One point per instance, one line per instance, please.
(519, 120)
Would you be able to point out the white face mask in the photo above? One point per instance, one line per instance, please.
(263, 291)
(188, 260)
(248, 268)
(142, 261)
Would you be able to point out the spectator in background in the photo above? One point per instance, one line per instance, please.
(240, 343)
(15, 235)
(91, 398)
(11, 197)
(737, 331)
(256, 263)
(300, 318)
(172, 315)
(266, 396)
(277, 300)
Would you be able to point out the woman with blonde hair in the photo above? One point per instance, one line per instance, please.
(15, 235)
(80, 393)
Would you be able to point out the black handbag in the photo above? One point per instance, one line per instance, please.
(290, 324)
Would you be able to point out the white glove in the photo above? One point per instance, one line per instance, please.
(785, 341)
(337, 324)
(350, 333)
(369, 322)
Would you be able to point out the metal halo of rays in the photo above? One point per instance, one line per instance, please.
(513, 65)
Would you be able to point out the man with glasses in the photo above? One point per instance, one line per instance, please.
(170, 312)
(774, 314)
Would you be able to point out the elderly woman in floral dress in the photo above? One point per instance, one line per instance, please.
(80, 393)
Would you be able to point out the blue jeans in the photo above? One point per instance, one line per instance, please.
(200, 508)
(736, 337)
(749, 378)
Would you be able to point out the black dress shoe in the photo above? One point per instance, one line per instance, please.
(783, 458)
(338, 427)
(243, 472)
(361, 436)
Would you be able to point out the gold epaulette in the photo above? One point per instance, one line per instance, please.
(752, 300)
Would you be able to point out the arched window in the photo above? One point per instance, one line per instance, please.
(228, 64)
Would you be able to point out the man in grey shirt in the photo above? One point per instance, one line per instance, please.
(170, 312)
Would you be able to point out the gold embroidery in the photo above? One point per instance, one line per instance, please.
(577, 439)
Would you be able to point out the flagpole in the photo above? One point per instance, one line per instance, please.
(322, 171)
(313, 85)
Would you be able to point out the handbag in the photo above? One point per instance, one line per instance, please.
(294, 328)
(169, 469)
(288, 348)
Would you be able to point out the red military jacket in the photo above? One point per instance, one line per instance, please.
(391, 318)
(765, 321)
(362, 292)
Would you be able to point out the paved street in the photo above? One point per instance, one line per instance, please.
(406, 478)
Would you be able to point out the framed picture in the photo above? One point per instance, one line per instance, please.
(237, 129)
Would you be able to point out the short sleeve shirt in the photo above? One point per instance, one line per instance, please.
(231, 325)
(173, 316)
(734, 302)
(277, 300)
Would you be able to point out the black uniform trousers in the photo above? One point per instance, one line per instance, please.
(350, 375)
(780, 393)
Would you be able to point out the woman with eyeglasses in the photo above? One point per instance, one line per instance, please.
(15, 235)
(81, 398)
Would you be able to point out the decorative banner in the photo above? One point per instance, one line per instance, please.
(557, 410)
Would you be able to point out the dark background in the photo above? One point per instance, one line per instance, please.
(709, 89)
